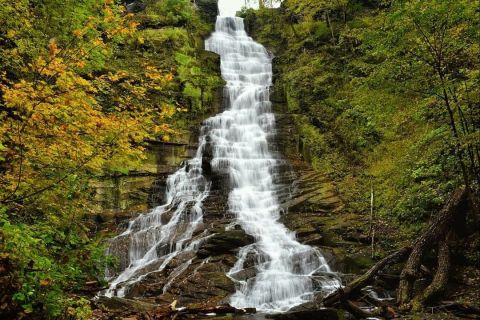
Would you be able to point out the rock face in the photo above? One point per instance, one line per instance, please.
(134, 6)
(139, 190)
(311, 209)
(224, 242)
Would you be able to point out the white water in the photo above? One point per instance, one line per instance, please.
(152, 240)
(238, 140)
(284, 267)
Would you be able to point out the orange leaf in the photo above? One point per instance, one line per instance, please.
(45, 282)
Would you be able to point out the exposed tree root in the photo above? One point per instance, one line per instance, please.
(449, 222)
(435, 233)
(440, 279)
(460, 309)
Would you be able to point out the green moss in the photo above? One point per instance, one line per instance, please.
(362, 115)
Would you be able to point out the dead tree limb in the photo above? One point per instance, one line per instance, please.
(357, 284)
(356, 311)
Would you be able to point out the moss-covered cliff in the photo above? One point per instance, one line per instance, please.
(368, 110)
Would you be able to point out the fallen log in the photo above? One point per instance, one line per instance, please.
(360, 282)
(381, 310)
(356, 311)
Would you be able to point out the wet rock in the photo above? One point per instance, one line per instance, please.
(357, 236)
(134, 6)
(307, 311)
(203, 286)
(224, 242)
(348, 263)
(306, 231)
(207, 157)
(229, 261)
(245, 274)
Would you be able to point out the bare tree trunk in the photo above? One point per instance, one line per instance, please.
(440, 279)
(372, 221)
(329, 23)
(437, 230)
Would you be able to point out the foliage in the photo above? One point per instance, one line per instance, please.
(35, 250)
(388, 96)
(83, 85)
(170, 12)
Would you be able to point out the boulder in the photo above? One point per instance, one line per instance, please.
(134, 6)
(203, 286)
(122, 304)
(224, 242)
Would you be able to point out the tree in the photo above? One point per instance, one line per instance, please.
(433, 47)
(440, 39)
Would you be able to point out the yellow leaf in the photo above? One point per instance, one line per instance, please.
(53, 47)
(11, 34)
(78, 33)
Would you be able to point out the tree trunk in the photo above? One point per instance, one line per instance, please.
(437, 230)
(440, 279)
(329, 23)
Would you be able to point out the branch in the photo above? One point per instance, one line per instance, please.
(357, 284)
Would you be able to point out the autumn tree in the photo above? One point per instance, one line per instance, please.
(65, 118)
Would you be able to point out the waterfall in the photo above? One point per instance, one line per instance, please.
(234, 144)
(283, 266)
(152, 240)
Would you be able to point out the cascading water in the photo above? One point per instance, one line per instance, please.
(152, 240)
(236, 142)
(284, 267)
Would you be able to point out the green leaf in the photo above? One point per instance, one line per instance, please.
(27, 308)
(19, 296)
(195, 71)
(121, 170)
(182, 59)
